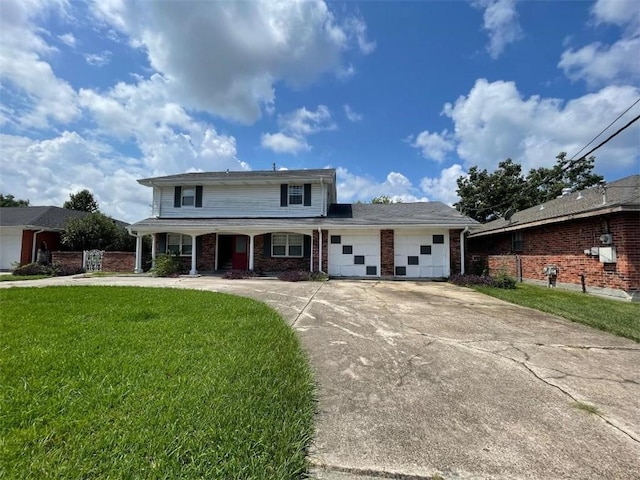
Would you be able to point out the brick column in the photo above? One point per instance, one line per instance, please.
(387, 253)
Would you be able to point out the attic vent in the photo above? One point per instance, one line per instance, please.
(565, 191)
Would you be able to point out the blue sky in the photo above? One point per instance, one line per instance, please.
(402, 98)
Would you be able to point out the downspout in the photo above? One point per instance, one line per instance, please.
(462, 269)
(34, 242)
(324, 197)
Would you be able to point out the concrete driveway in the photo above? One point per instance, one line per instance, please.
(418, 379)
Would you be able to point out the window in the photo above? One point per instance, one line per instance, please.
(372, 270)
(358, 260)
(188, 197)
(336, 239)
(179, 244)
(287, 244)
(517, 242)
(347, 249)
(401, 271)
(425, 249)
(295, 194)
(413, 261)
(438, 239)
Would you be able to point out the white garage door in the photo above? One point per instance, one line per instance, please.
(354, 254)
(421, 253)
(10, 247)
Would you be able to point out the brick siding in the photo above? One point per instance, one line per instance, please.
(563, 245)
(454, 251)
(118, 261)
(68, 259)
(387, 253)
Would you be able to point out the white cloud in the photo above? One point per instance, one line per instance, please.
(353, 187)
(32, 170)
(501, 21)
(24, 68)
(444, 187)
(68, 39)
(351, 115)
(494, 122)
(434, 146)
(98, 59)
(281, 143)
(600, 64)
(235, 52)
(295, 127)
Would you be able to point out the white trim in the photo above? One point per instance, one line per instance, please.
(287, 245)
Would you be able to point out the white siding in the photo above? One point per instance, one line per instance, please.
(363, 244)
(10, 247)
(239, 201)
(407, 244)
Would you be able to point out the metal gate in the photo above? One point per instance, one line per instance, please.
(92, 260)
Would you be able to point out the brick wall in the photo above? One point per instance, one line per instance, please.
(118, 262)
(387, 253)
(206, 255)
(69, 259)
(563, 245)
(454, 251)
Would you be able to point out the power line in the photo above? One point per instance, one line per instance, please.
(610, 137)
(605, 129)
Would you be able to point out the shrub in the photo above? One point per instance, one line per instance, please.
(294, 276)
(503, 280)
(238, 274)
(60, 270)
(33, 269)
(470, 280)
(318, 277)
(166, 265)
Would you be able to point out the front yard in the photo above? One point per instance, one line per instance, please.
(120, 382)
(617, 317)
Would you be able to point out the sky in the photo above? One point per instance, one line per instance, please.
(401, 98)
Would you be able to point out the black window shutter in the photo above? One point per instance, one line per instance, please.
(198, 246)
(307, 194)
(267, 245)
(284, 195)
(161, 238)
(177, 197)
(199, 196)
(307, 246)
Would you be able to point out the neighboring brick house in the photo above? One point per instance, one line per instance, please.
(271, 221)
(589, 238)
(23, 229)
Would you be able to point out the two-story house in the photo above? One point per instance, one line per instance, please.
(272, 221)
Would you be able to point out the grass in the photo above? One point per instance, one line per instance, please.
(120, 382)
(585, 407)
(15, 278)
(617, 317)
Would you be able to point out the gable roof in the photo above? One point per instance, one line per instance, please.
(327, 175)
(46, 217)
(620, 195)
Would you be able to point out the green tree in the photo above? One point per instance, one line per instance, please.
(486, 196)
(385, 199)
(96, 231)
(11, 201)
(82, 201)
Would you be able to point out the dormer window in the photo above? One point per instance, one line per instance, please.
(295, 194)
(187, 196)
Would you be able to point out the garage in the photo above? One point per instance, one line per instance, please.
(421, 253)
(10, 248)
(354, 253)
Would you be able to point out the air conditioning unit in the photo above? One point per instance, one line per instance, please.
(606, 239)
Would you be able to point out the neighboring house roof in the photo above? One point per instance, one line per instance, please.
(40, 218)
(48, 218)
(327, 175)
(621, 195)
(435, 214)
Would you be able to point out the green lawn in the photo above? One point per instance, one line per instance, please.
(614, 316)
(117, 382)
(13, 278)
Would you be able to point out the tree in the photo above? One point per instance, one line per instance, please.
(385, 199)
(82, 201)
(486, 196)
(96, 231)
(11, 201)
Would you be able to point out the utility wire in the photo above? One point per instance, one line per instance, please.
(610, 137)
(605, 129)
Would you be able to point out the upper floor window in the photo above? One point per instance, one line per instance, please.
(178, 244)
(187, 196)
(287, 245)
(295, 194)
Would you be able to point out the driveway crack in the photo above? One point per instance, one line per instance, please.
(313, 295)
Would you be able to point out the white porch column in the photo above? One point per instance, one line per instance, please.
(251, 252)
(153, 250)
(311, 256)
(194, 253)
(138, 268)
(319, 249)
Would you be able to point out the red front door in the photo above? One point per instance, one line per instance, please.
(239, 258)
